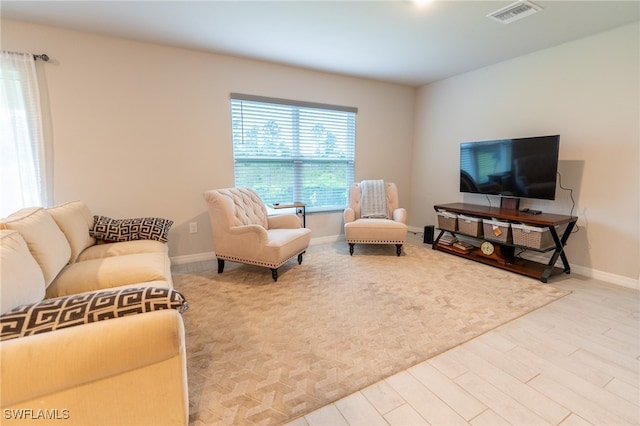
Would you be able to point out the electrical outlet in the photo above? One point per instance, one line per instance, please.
(193, 227)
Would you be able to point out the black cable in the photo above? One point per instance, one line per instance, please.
(573, 201)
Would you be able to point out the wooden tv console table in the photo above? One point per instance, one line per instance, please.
(505, 252)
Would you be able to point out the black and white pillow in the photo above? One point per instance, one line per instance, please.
(69, 311)
(143, 228)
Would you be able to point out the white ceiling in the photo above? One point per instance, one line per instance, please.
(395, 41)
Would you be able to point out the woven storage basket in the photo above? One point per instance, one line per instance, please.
(532, 236)
(497, 231)
(469, 225)
(448, 221)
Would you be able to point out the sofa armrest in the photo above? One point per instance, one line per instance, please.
(284, 221)
(94, 359)
(400, 215)
(349, 215)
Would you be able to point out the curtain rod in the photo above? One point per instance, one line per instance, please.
(44, 57)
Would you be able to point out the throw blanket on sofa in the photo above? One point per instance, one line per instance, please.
(373, 203)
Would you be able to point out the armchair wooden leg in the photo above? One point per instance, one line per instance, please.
(220, 265)
(351, 248)
(398, 249)
(274, 274)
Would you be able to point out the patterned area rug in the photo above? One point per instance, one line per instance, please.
(260, 352)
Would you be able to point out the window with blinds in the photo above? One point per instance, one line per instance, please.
(291, 151)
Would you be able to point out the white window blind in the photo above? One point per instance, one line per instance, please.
(291, 151)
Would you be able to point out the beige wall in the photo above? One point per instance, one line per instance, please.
(588, 92)
(142, 129)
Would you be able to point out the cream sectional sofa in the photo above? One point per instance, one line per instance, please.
(92, 333)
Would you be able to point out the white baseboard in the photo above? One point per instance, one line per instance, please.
(327, 239)
(207, 256)
(606, 276)
(590, 272)
(192, 258)
(415, 229)
(578, 269)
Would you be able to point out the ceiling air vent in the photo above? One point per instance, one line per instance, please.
(515, 11)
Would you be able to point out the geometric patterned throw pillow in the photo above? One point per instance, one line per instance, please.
(143, 228)
(69, 311)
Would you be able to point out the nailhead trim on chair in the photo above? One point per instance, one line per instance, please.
(257, 263)
(377, 241)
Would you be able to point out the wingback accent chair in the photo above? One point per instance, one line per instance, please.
(244, 233)
(391, 229)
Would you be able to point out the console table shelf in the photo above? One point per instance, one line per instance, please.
(504, 257)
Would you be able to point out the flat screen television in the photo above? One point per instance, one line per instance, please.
(519, 168)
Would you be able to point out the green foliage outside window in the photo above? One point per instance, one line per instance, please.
(289, 153)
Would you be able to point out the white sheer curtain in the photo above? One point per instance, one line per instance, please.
(22, 154)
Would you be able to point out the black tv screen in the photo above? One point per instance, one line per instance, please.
(521, 168)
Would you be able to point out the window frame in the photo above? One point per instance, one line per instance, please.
(297, 139)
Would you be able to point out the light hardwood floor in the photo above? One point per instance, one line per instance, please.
(573, 362)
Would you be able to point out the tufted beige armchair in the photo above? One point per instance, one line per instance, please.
(244, 233)
(376, 230)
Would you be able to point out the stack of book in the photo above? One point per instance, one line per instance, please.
(463, 246)
(452, 243)
(447, 240)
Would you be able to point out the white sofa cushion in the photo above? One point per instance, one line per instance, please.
(127, 371)
(375, 231)
(100, 251)
(75, 220)
(21, 279)
(45, 240)
(110, 272)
